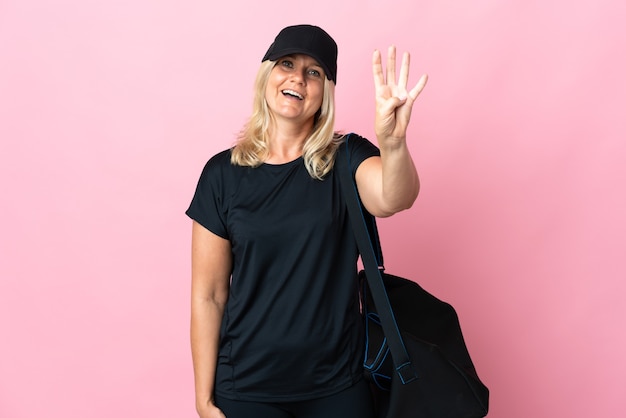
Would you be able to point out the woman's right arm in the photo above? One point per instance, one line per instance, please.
(211, 264)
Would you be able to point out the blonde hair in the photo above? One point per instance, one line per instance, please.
(251, 149)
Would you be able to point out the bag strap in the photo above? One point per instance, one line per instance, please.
(366, 242)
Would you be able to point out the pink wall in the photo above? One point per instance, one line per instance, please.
(108, 111)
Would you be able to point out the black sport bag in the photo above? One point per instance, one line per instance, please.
(416, 358)
(441, 380)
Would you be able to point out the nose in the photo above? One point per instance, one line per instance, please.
(298, 77)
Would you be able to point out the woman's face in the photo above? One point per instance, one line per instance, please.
(295, 88)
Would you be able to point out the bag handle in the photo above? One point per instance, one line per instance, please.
(367, 241)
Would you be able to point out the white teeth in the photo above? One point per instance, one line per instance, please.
(293, 93)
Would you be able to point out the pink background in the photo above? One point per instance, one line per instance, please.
(109, 109)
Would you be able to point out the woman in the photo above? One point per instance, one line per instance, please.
(275, 329)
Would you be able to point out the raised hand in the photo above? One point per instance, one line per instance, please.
(394, 102)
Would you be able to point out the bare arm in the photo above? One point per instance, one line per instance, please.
(390, 183)
(211, 263)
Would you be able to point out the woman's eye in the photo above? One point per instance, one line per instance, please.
(286, 63)
(314, 73)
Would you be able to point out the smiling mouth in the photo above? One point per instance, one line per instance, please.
(292, 93)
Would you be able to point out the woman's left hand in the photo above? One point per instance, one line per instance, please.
(393, 101)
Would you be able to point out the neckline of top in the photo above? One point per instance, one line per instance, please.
(283, 164)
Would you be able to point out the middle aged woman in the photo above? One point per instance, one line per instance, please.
(276, 330)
